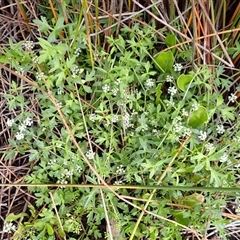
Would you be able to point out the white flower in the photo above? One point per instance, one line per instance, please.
(114, 92)
(28, 45)
(115, 118)
(78, 168)
(59, 104)
(149, 83)
(39, 75)
(220, 129)
(106, 88)
(92, 117)
(172, 90)
(120, 170)
(177, 67)
(195, 106)
(169, 78)
(22, 127)
(75, 70)
(118, 81)
(232, 98)
(59, 91)
(187, 132)
(118, 182)
(10, 122)
(77, 51)
(224, 158)
(90, 154)
(9, 227)
(209, 147)
(184, 112)
(28, 121)
(202, 135)
(19, 136)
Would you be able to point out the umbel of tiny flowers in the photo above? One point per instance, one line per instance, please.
(232, 98)
(22, 128)
(9, 227)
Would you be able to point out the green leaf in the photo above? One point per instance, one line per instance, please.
(170, 40)
(192, 200)
(198, 117)
(179, 217)
(164, 61)
(13, 217)
(49, 229)
(183, 80)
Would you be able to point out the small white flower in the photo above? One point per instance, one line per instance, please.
(202, 135)
(187, 132)
(77, 51)
(177, 67)
(106, 88)
(78, 168)
(178, 128)
(118, 81)
(28, 122)
(120, 170)
(149, 83)
(19, 136)
(60, 91)
(90, 154)
(169, 78)
(209, 147)
(114, 91)
(115, 118)
(39, 75)
(195, 106)
(118, 182)
(92, 117)
(172, 90)
(184, 112)
(28, 45)
(10, 122)
(20, 71)
(9, 227)
(224, 158)
(75, 70)
(232, 98)
(220, 129)
(22, 127)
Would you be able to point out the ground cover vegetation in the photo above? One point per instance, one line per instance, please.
(119, 120)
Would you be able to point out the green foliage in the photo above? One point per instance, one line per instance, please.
(129, 114)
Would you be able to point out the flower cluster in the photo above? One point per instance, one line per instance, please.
(92, 117)
(28, 45)
(172, 90)
(90, 154)
(39, 75)
(177, 67)
(149, 83)
(9, 227)
(77, 51)
(169, 78)
(106, 88)
(120, 170)
(22, 127)
(224, 158)
(220, 129)
(75, 71)
(202, 135)
(232, 98)
(209, 147)
(114, 118)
